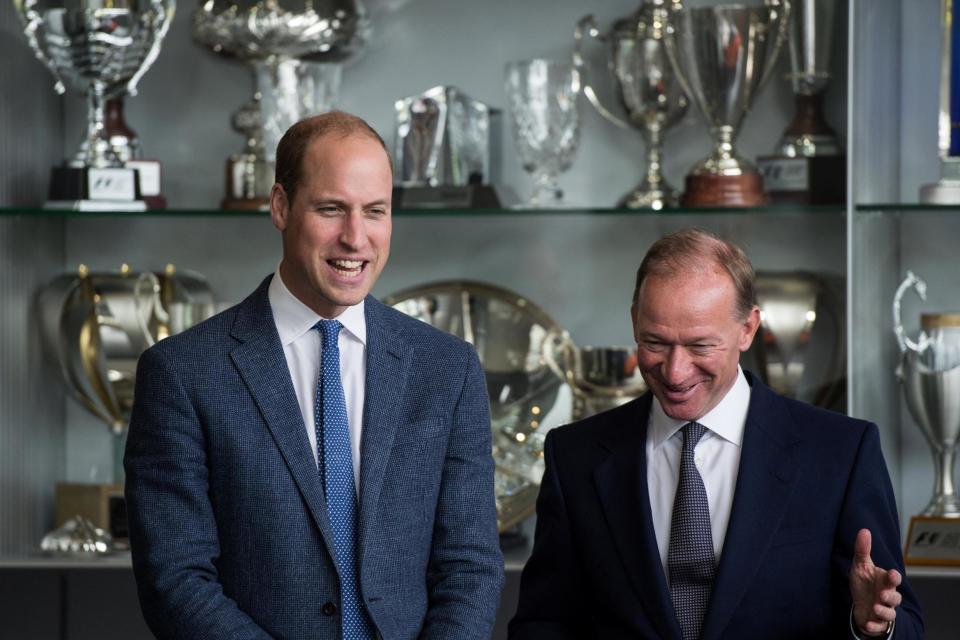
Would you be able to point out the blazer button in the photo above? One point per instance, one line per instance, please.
(328, 609)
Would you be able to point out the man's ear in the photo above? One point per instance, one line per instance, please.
(749, 328)
(279, 206)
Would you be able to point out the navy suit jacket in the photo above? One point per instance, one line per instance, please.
(228, 524)
(809, 480)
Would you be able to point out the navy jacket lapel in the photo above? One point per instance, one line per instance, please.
(259, 359)
(388, 362)
(621, 482)
(767, 476)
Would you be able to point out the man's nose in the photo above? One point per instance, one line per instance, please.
(677, 365)
(353, 233)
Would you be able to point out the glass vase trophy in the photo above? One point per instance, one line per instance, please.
(929, 373)
(947, 190)
(99, 48)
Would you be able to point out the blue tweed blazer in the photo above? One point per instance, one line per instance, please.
(228, 524)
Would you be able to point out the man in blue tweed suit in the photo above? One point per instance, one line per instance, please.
(311, 463)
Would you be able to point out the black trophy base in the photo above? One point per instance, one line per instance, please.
(815, 180)
(480, 196)
(95, 189)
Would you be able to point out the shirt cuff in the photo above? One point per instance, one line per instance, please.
(856, 635)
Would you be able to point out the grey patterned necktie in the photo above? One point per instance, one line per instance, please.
(690, 556)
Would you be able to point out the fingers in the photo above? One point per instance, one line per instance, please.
(861, 548)
(893, 579)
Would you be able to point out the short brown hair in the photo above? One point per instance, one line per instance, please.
(691, 249)
(293, 145)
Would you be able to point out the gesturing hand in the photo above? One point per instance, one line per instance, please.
(874, 590)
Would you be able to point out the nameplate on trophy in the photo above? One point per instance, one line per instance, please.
(804, 180)
(149, 175)
(94, 189)
(933, 541)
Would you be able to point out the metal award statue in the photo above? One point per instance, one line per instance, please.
(510, 334)
(809, 166)
(294, 49)
(723, 55)
(100, 48)
(947, 190)
(929, 373)
(646, 86)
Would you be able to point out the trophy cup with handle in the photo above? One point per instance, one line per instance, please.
(646, 86)
(100, 48)
(276, 40)
(809, 166)
(929, 373)
(723, 55)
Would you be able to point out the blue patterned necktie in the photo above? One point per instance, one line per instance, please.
(336, 474)
(690, 556)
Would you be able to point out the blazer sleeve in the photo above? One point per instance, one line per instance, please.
(465, 571)
(869, 503)
(173, 533)
(551, 605)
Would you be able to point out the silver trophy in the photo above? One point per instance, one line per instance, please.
(722, 56)
(601, 378)
(100, 48)
(929, 373)
(96, 325)
(542, 99)
(271, 36)
(510, 335)
(444, 150)
(646, 86)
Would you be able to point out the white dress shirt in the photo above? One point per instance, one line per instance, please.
(301, 347)
(717, 457)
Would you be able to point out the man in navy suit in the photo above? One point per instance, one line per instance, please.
(283, 486)
(712, 507)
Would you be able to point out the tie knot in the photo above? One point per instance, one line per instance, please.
(329, 330)
(692, 432)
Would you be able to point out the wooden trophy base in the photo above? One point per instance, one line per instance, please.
(933, 541)
(251, 204)
(724, 191)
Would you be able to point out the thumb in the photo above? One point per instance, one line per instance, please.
(861, 548)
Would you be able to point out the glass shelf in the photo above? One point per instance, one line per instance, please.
(908, 208)
(774, 210)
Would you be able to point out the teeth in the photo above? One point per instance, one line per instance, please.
(347, 265)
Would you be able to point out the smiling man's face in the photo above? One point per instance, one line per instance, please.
(689, 339)
(336, 231)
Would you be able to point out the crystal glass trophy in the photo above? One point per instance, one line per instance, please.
(101, 50)
(929, 374)
(510, 334)
(723, 55)
(271, 37)
(647, 89)
(808, 165)
(947, 189)
(542, 99)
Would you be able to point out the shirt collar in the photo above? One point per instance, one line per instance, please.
(727, 419)
(293, 318)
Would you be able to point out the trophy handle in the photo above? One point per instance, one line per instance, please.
(146, 302)
(165, 10)
(587, 26)
(918, 285)
(779, 11)
(557, 341)
(31, 23)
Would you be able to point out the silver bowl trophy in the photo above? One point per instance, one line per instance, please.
(510, 334)
(601, 378)
(929, 373)
(947, 189)
(99, 48)
(723, 55)
(445, 151)
(647, 89)
(808, 166)
(542, 99)
(278, 40)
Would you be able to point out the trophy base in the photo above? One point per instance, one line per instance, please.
(745, 190)
(647, 198)
(245, 204)
(933, 541)
(944, 192)
(102, 504)
(473, 196)
(805, 180)
(149, 177)
(116, 185)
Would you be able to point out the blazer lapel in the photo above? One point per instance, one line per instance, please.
(388, 362)
(767, 476)
(261, 363)
(621, 483)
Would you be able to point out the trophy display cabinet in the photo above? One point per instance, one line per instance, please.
(577, 263)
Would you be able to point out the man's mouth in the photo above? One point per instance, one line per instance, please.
(348, 268)
(678, 393)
